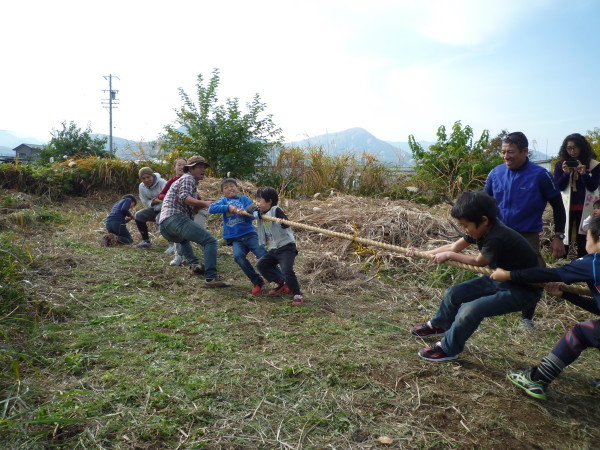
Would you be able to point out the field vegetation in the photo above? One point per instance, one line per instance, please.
(113, 348)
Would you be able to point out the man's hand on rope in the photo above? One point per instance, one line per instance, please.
(554, 288)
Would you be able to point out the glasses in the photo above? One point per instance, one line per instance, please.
(571, 147)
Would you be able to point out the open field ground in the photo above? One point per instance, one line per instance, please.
(128, 352)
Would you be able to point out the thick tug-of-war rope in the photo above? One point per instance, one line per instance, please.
(581, 290)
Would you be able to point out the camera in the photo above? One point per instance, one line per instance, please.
(572, 163)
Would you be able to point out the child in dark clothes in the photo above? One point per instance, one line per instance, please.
(116, 222)
(583, 335)
(279, 241)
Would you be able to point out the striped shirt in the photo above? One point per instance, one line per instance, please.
(184, 187)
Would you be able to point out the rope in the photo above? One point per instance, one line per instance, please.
(581, 290)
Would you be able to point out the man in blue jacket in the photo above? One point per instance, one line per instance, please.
(522, 190)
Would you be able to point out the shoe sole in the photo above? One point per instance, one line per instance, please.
(447, 358)
(527, 391)
(428, 335)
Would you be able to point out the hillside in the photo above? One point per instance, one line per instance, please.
(128, 352)
(358, 140)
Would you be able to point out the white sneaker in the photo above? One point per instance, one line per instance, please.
(170, 249)
(177, 261)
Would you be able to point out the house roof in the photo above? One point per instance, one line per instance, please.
(31, 146)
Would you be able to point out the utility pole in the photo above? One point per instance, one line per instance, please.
(112, 103)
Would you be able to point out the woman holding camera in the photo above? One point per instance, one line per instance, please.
(577, 175)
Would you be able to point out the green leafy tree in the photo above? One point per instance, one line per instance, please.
(229, 139)
(72, 141)
(593, 137)
(454, 163)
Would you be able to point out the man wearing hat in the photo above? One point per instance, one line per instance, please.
(176, 222)
(150, 186)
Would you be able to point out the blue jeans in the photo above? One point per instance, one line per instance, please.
(465, 305)
(120, 231)
(241, 247)
(183, 230)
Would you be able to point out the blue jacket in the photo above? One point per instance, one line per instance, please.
(119, 211)
(522, 195)
(234, 225)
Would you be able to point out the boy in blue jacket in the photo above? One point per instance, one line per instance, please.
(583, 335)
(239, 231)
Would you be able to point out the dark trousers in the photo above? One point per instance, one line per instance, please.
(284, 256)
(576, 340)
(143, 216)
(120, 231)
(534, 240)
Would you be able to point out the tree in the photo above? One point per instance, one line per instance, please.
(456, 163)
(71, 141)
(231, 141)
(593, 137)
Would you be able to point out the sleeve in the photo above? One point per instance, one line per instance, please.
(534, 275)
(558, 213)
(144, 196)
(187, 189)
(488, 183)
(586, 223)
(165, 189)
(587, 303)
(592, 179)
(560, 177)
(281, 215)
(219, 207)
(125, 207)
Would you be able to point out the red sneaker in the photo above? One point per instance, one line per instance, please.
(257, 288)
(427, 330)
(298, 300)
(436, 354)
(281, 288)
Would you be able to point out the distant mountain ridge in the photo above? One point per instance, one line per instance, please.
(359, 140)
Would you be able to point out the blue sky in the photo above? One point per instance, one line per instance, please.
(392, 67)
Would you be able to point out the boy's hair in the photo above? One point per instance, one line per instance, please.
(269, 194)
(518, 138)
(596, 203)
(130, 197)
(472, 206)
(594, 228)
(227, 180)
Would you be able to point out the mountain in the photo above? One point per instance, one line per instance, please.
(132, 150)
(358, 140)
(12, 139)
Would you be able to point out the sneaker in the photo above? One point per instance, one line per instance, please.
(298, 300)
(105, 241)
(257, 288)
(526, 324)
(198, 269)
(427, 330)
(522, 378)
(143, 244)
(281, 288)
(216, 282)
(435, 353)
(177, 261)
(170, 249)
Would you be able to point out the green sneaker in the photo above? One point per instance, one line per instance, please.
(522, 378)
